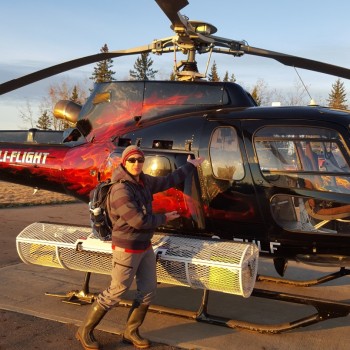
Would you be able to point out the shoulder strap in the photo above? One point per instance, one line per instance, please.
(126, 182)
(105, 194)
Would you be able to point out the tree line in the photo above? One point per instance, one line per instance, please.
(143, 70)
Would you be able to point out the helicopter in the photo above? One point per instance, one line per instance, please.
(276, 177)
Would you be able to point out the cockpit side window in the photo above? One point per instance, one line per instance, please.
(306, 159)
(303, 157)
(225, 154)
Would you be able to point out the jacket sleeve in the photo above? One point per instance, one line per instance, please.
(162, 183)
(124, 208)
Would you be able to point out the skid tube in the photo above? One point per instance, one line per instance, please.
(307, 283)
(325, 309)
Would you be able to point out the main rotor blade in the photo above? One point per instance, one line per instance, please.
(171, 9)
(299, 62)
(65, 66)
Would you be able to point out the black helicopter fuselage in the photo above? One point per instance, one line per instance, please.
(276, 176)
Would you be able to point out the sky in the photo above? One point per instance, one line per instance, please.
(37, 34)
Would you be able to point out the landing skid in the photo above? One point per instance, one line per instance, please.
(307, 283)
(325, 309)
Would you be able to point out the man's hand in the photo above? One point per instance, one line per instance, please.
(172, 215)
(196, 161)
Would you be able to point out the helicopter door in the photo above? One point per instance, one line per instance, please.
(226, 158)
(183, 198)
(230, 200)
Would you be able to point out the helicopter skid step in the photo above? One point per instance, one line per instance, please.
(76, 297)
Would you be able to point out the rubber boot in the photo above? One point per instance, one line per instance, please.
(135, 319)
(85, 331)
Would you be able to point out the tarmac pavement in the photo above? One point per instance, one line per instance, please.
(32, 320)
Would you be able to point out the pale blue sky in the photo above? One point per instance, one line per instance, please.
(36, 34)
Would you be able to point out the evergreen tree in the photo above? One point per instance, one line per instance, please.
(44, 121)
(337, 97)
(143, 68)
(213, 75)
(103, 72)
(233, 78)
(226, 78)
(75, 95)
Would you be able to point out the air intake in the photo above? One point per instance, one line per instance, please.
(223, 266)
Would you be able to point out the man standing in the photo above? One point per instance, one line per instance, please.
(130, 209)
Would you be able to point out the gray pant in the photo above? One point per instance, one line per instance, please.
(125, 266)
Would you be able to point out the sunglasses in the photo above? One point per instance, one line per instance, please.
(134, 160)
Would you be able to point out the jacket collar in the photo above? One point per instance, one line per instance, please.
(120, 173)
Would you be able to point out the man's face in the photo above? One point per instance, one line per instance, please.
(134, 164)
